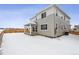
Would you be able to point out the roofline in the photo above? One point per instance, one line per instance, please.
(62, 11)
(54, 5)
(45, 8)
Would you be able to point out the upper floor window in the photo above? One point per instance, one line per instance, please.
(64, 17)
(43, 15)
(36, 18)
(61, 17)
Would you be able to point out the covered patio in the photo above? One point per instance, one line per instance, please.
(31, 28)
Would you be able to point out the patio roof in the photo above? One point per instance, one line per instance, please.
(32, 23)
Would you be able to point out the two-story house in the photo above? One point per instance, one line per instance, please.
(51, 22)
(76, 28)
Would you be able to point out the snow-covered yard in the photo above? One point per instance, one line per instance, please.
(19, 43)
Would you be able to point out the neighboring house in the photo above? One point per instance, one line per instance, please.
(76, 28)
(51, 22)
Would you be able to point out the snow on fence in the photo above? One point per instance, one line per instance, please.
(1, 35)
(73, 32)
(14, 30)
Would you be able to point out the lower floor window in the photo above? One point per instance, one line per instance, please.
(34, 29)
(44, 27)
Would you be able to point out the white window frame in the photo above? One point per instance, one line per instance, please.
(44, 24)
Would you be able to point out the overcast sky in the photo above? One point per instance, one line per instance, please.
(17, 15)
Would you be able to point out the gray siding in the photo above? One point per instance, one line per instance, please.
(49, 20)
(60, 26)
(53, 16)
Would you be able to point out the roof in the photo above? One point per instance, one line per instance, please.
(32, 23)
(62, 11)
(54, 5)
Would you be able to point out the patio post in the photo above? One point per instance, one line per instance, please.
(30, 29)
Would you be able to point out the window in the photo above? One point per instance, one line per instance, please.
(36, 18)
(56, 14)
(44, 27)
(61, 17)
(36, 28)
(55, 29)
(33, 29)
(56, 26)
(43, 15)
(64, 27)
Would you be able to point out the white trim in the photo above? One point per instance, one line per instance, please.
(44, 30)
(52, 5)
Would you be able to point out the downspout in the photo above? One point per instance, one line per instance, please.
(30, 29)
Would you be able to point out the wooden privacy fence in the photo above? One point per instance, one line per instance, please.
(73, 32)
(13, 30)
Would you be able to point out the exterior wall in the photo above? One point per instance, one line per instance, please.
(67, 24)
(63, 23)
(60, 26)
(49, 20)
(65, 19)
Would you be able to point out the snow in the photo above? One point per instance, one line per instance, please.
(22, 44)
(1, 30)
